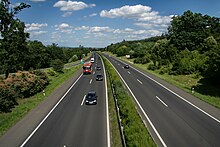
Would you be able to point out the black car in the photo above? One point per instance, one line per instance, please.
(91, 98)
(98, 68)
(99, 77)
(126, 66)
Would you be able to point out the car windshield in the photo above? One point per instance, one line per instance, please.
(91, 95)
(99, 76)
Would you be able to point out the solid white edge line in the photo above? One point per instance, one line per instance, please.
(179, 96)
(28, 138)
(148, 119)
(162, 101)
(83, 100)
(176, 94)
(139, 81)
(107, 112)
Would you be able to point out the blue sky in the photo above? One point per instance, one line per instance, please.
(98, 23)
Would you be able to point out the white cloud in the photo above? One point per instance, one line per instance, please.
(66, 14)
(82, 28)
(126, 12)
(36, 33)
(93, 14)
(34, 26)
(97, 29)
(64, 28)
(94, 29)
(143, 15)
(124, 31)
(72, 5)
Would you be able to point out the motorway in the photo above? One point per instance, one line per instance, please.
(73, 123)
(69, 123)
(172, 119)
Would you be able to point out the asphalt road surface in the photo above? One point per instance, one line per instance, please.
(73, 123)
(70, 123)
(174, 118)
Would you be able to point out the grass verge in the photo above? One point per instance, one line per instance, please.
(135, 132)
(7, 120)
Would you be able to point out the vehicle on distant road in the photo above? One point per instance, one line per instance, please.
(91, 98)
(126, 66)
(98, 68)
(99, 77)
(92, 60)
(87, 68)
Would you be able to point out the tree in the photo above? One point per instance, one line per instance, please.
(37, 56)
(209, 44)
(188, 31)
(13, 38)
(57, 65)
(213, 70)
(163, 53)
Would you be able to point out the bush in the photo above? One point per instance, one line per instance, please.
(7, 98)
(73, 58)
(20, 85)
(51, 72)
(57, 65)
(152, 67)
(142, 60)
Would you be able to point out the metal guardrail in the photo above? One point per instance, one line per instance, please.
(118, 113)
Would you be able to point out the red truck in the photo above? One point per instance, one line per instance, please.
(87, 68)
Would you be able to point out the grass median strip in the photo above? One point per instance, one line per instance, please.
(135, 132)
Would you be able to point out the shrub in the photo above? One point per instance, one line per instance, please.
(73, 58)
(51, 72)
(152, 67)
(20, 85)
(7, 98)
(57, 65)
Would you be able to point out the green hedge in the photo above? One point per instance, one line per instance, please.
(135, 132)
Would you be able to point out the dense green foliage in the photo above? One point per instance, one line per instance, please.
(192, 45)
(16, 53)
(57, 65)
(13, 38)
(134, 130)
(39, 56)
(20, 85)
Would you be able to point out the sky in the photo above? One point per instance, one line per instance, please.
(99, 23)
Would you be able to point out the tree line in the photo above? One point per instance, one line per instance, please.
(17, 53)
(191, 45)
(21, 58)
